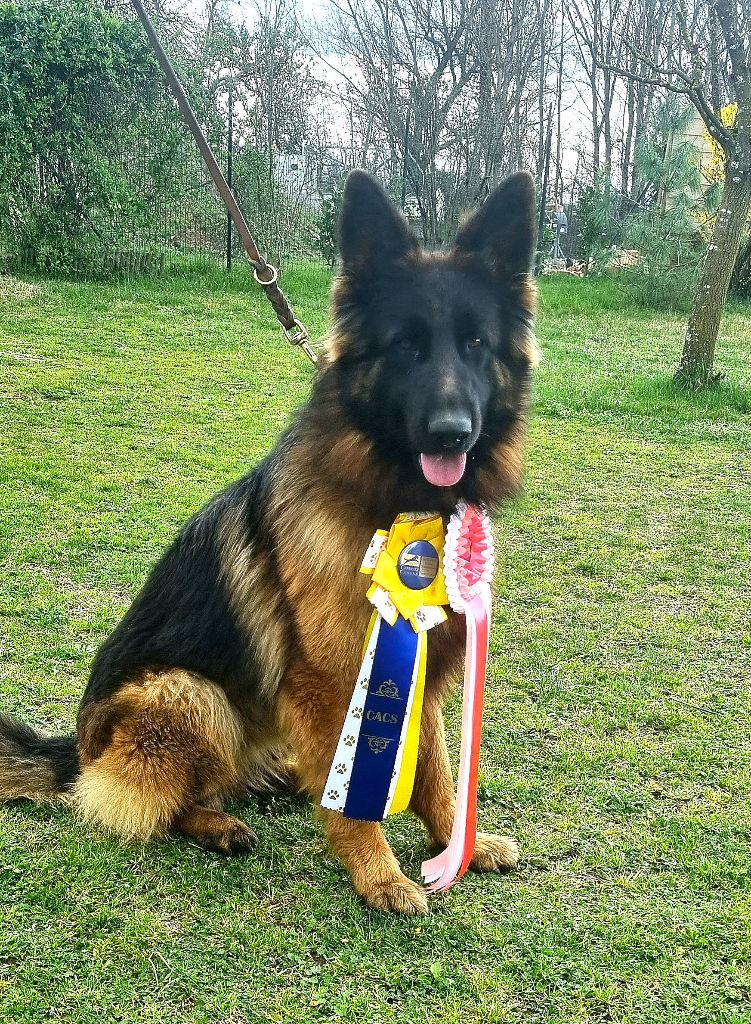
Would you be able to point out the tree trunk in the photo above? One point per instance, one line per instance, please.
(595, 121)
(628, 140)
(697, 359)
(607, 132)
(540, 109)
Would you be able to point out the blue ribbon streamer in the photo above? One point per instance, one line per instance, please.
(382, 720)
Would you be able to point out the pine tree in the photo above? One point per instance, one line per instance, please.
(665, 228)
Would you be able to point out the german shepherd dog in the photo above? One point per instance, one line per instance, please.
(237, 660)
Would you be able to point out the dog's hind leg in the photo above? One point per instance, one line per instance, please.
(312, 718)
(158, 753)
(215, 830)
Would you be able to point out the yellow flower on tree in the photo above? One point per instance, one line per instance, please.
(714, 169)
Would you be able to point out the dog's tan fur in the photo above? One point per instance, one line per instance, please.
(174, 741)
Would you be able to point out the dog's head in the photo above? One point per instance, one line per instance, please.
(432, 351)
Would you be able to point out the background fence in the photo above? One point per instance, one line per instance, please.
(168, 212)
(100, 176)
(143, 203)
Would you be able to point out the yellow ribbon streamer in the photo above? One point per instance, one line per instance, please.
(406, 780)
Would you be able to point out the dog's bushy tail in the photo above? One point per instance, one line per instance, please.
(35, 766)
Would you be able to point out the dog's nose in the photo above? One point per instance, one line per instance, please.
(450, 430)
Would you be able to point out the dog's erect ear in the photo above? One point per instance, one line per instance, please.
(503, 230)
(372, 232)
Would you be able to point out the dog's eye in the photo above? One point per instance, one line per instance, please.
(405, 344)
(475, 343)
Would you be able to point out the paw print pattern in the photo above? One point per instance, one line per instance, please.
(357, 713)
(349, 741)
(341, 768)
(333, 794)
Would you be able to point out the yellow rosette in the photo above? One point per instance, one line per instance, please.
(406, 566)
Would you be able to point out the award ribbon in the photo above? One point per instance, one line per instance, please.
(415, 571)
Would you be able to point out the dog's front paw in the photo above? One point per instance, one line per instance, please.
(494, 853)
(396, 894)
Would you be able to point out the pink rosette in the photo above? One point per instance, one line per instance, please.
(468, 570)
(468, 555)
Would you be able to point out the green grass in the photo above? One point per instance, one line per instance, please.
(617, 743)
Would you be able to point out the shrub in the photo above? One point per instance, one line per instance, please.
(68, 72)
(665, 229)
(327, 220)
(81, 92)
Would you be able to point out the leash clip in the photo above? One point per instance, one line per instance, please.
(298, 335)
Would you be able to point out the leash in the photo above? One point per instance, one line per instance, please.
(264, 273)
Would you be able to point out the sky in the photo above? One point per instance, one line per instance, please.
(576, 121)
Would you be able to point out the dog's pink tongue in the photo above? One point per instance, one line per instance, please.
(443, 470)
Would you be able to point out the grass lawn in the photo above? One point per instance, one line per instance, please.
(617, 744)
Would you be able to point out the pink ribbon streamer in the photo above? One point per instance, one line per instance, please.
(443, 871)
